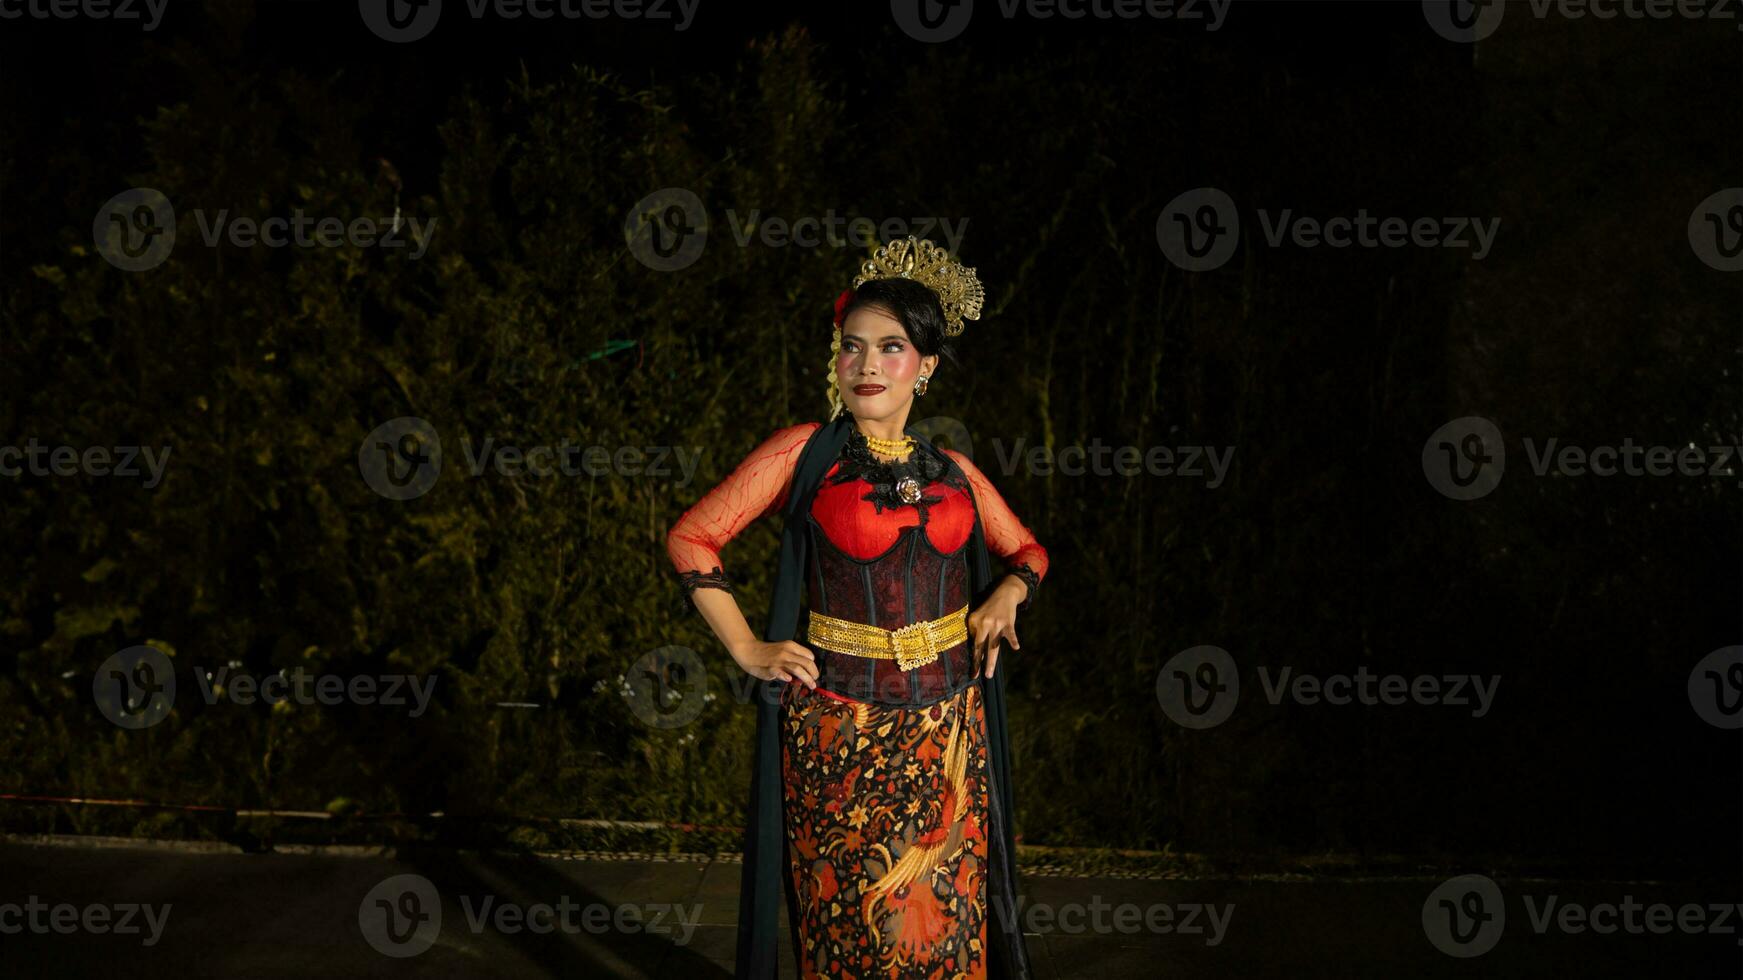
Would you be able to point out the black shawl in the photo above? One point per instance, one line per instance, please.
(765, 877)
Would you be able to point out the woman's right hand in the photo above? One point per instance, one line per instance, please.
(780, 660)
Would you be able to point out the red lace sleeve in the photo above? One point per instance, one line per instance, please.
(758, 486)
(1005, 534)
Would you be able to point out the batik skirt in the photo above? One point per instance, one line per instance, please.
(886, 818)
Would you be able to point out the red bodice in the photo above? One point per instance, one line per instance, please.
(869, 562)
(856, 527)
(903, 565)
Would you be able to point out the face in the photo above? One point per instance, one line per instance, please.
(876, 351)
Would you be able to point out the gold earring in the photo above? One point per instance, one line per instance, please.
(920, 385)
(836, 405)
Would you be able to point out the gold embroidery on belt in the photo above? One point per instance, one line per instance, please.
(911, 646)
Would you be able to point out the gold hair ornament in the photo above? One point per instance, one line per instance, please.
(959, 292)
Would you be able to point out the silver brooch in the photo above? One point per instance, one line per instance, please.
(908, 489)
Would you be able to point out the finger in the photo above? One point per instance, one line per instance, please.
(1010, 633)
(992, 660)
(801, 650)
(805, 671)
(780, 675)
(800, 667)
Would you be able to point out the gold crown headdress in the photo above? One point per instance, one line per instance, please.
(958, 288)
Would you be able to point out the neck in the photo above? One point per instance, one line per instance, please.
(890, 428)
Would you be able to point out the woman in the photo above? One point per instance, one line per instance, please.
(880, 799)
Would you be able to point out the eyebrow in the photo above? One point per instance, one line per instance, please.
(888, 336)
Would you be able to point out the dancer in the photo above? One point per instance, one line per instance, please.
(881, 792)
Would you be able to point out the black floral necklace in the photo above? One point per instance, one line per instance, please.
(894, 483)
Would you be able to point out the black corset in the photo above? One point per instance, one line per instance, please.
(909, 583)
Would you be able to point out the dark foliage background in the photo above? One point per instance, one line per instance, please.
(1325, 550)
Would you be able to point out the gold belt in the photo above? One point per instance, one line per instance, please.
(911, 646)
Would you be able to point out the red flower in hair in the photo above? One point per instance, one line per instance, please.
(841, 302)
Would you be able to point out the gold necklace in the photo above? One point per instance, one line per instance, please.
(889, 447)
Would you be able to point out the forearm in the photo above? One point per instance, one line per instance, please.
(720, 608)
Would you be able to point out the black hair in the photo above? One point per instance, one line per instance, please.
(913, 305)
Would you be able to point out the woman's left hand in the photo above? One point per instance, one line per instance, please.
(996, 620)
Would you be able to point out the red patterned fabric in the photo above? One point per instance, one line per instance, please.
(886, 816)
(757, 487)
